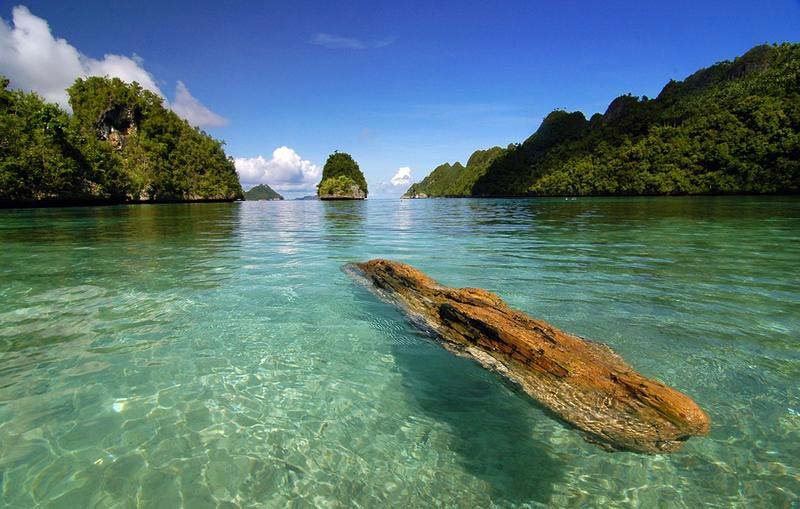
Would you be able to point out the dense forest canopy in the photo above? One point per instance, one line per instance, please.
(731, 128)
(455, 179)
(340, 173)
(262, 192)
(120, 145)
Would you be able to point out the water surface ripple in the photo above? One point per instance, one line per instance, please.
(214, 355)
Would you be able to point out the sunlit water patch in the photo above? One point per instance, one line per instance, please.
(214, 355)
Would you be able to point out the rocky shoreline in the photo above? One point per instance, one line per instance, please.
(354, 194)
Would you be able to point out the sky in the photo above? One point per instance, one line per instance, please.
(402, 86)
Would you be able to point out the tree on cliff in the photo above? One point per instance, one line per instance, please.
(339, 173)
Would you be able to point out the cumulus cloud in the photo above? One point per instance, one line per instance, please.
(394, 187)
(192, 110)
(402, 177)
(33, 59)
(285, 171)
(331, 41)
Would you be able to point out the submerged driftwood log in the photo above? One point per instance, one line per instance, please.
(585, 383)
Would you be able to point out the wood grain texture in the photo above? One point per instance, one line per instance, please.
(584, 383)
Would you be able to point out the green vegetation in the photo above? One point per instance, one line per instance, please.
(731, 128)
(262, 192)
(455, 179)
(119, 145)
(337, 186)
(342, 178)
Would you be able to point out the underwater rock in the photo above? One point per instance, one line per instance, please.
(584, 383)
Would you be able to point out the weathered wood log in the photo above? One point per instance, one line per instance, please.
(584, 383)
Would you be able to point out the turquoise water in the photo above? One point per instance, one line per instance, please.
(214, 355)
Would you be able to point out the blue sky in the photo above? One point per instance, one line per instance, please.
(396, 84)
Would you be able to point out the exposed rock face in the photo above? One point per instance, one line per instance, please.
(116, 124)
(355, 193)
(585, 383)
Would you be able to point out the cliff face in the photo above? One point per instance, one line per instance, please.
(414, 193)
(351, 192)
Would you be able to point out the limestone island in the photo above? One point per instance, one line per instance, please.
(582, 382)
(119, 144)
(262, 192)
(707, 134)
(342, 179)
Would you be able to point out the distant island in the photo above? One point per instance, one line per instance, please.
(342, 179)
(120, 145)
(454, 179)
(726, 129)
(731, 128)
(262, 192)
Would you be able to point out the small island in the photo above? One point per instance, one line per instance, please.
(342, 179)
(262, 192)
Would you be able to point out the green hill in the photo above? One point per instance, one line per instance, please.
(731, 128)
(262, 192)
(455, 179)
(342, 179)
(120, 145)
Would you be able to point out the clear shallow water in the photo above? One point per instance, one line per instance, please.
(214, 355)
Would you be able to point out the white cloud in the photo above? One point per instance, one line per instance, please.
(402, 177)
(331, 41)
(33, 59)
(285, 171)
(395, 186)
(118, 66)
(337, 42)
(192, 110)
